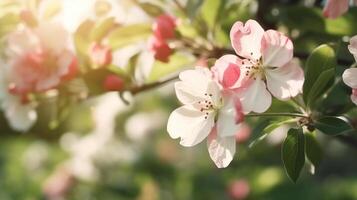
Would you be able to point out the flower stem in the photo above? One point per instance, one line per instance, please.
(276, 115)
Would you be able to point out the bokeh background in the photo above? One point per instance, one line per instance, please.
(105, 149)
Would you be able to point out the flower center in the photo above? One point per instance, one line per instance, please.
(254, 68)
(206, 106)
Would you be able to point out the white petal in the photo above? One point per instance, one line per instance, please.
(190, 125)
(195, 86)
(53, 36)
(350, 77)
(352, 47)
(354, 99)
(285, 82)
(21, 117)
(277, 49)
(255, 97)
(226, 123)
(221, 149)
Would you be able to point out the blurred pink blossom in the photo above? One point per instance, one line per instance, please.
(239, 189)
(244, 133)
(160, 48)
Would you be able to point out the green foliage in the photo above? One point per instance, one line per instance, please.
(129, 34)
(313, 149)
(293, 153)
(321, 59)
(332, 125)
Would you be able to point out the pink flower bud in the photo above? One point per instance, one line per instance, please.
(100, 55)
(160, 48)
(113, 83)
(164, 27)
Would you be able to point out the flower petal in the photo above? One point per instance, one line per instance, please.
(354, 98)
(353, 46)
(335, 8)
(226, 70)
(227, 124)
(221, 149)
(285, 82)
(277, 49)
(350, 77)
(255, 97)
(246, 39)
(21, 117)
(190, 125)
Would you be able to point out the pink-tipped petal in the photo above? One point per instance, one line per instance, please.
(350, 77)
(246, 39)
(255, 97)
(335, 8)
(226, 70)
(285, 82)
(277, 49)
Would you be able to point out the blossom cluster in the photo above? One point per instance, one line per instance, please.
(215, 101)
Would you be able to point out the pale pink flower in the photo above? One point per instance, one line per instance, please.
(208, 111)
(350, 75)
(265, 67)
(335, 8)
(39, 58)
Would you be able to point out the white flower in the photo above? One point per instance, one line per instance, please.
(20, 116)
(207, 111)
(350, 75)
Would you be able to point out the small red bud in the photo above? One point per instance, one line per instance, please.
(113, 83)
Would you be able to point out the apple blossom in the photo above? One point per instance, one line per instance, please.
(264, 67)
(39, 58)
(350, 75)
(208, 111)
(20, 115)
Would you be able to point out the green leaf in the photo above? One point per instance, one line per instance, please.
(210, 10)
(277, 124)
(176, 62)
(125, 35)
(321, 59)
(151, 9)
(102, 29)
(313, 149)
(332, 125)
(323, 82)
(7, 23)
(82, 42)
(293, 153)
